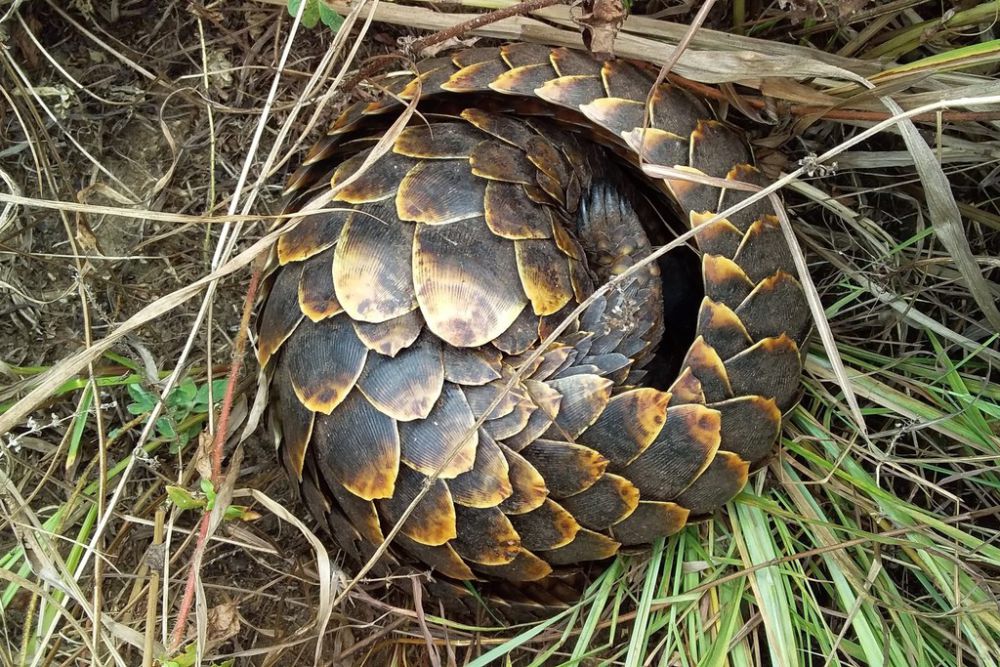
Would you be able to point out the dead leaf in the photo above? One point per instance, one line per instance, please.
(447, 45)
(203, 455)
(601, 20)
(223, 625)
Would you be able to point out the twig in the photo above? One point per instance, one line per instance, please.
(377, 64)
(154, 594)
(829, 113)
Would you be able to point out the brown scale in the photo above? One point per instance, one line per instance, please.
(395, 321)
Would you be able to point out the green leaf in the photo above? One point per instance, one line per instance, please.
(138, 408)
(201, 399)
(79, 423)
(142, 398)
(209, 490)
(165, 427)
(183, 498)
(310, 15)
(187, 390)
(186, 659)
(240, 513)
(330, 18)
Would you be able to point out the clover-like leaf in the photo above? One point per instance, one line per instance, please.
(310, 15)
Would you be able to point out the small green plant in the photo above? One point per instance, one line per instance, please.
(190, 657)
(185, 409)
(316, 11)
(205, 501)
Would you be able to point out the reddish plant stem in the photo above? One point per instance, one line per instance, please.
(239, 348)
(185, 609)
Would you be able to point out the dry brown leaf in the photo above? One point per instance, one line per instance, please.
(601, 20)
(223, 624)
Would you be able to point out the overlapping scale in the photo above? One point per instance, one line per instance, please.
(776, 306)
(586, 545)
(437, 192)
(568, 62)
(362, 513)
(525, 566)
(296, 423)
(324, 362)
(316, 296)
(675, 110)
(706, 365)
(725, 281)
(649, 521)
(520, 336)
(438, 141)
(485, 536)
(684, 448)
(523, 80)
(615, 114)
(751, 425)
(281, 313)
(372, 273)
(488, 483)
(443, 443)
(723, 330)
(715, 148)
(625, 80)
(498, 161)
(538, 422)
(628, 425)
(475, 77)
(471, 366)
(314, 234)
(377, 182)
(390, 336)
(544, 275)
(508, 426)
(494, 400)
(406, 386)
(731, 197)
(433, 519)
(763, 251)
(565, 467)
(466, 282)
(717, 485)
(606, 502)
(549, 526)
(658, 146)
(524, 53)
(528, 486)
(510, 213)
(442, 558)
(584, 398)
(503, 127)
(771, 368)
(358, 446)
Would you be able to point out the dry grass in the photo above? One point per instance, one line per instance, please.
(141, 149)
